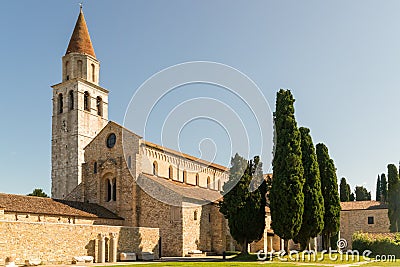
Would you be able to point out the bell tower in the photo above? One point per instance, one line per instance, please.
(80, 111)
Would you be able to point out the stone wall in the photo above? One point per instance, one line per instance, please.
(55, 243)
(208, 176)
(357, 220)
(60, 219)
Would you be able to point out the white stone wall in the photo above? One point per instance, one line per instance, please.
(180, 164)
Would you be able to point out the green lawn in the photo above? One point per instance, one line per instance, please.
(219, 264)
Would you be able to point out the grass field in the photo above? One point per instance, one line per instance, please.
(251, 261)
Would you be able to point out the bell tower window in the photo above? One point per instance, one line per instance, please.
(99, 106)
(86, 101)
(60, 103)
(93, 73)
(80, 68)
(71, 100)
(66, 71)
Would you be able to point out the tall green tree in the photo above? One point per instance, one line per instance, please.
(362, 193)
(352, 196)
(38, 193)
(344, 190)
(243, 204)
(286, 195)
(384, 188)
(394, 198)
(313, 215)
(330, 193)
(378, 193)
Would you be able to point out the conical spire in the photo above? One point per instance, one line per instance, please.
(80, 39)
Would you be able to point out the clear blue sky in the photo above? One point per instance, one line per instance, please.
(341, 59)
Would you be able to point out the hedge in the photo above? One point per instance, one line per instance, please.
(377, 244)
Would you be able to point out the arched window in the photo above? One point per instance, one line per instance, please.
(86, 101)
(208, 182)
(170, 172)
(66, 71)
(99, 106)
(93, 73)
(195, 215)
(114, 191)
(129, 162)
(71, 100)
(80, 68)
(60, 103)
(95, 167)
(185, 176)
(109, 190)
(197, 179)
(155, 168)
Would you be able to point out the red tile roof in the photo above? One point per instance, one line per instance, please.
(80, 40)
(48, 206)
(363, 205)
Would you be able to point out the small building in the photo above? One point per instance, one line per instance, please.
(363, 216)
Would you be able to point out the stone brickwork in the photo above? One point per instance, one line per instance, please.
(184, 167)
(55, 243)
(60, 219)
(352, 221)
(80, 111)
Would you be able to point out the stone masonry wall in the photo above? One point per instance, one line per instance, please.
(357, 220)
(58, 243)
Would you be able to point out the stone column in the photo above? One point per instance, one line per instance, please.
(113, 247)
(271, 241)
(102, 249)
(265, 241)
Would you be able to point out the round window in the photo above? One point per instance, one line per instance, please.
(111, 140)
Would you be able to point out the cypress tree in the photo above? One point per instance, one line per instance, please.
(244, 203)
(362, 193)
(330, 193)
(313, 216)
(378, 189)
(352, 197)
(344, 190)
(286, 195)
(394, 198)
(384, 189)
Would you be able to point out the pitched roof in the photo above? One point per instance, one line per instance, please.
(169, 191)
(80, 40)
(363, 205)
(48, 206)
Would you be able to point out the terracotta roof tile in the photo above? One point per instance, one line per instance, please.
(169, 190)
(80, 40)
(41, 205)
(363, 205)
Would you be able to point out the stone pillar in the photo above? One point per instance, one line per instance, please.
(271, 241)
(265, 241)
(102, 249)
(113, 247)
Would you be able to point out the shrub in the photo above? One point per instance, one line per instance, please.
(379, 244)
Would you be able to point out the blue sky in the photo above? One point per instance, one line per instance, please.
(341, 60)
